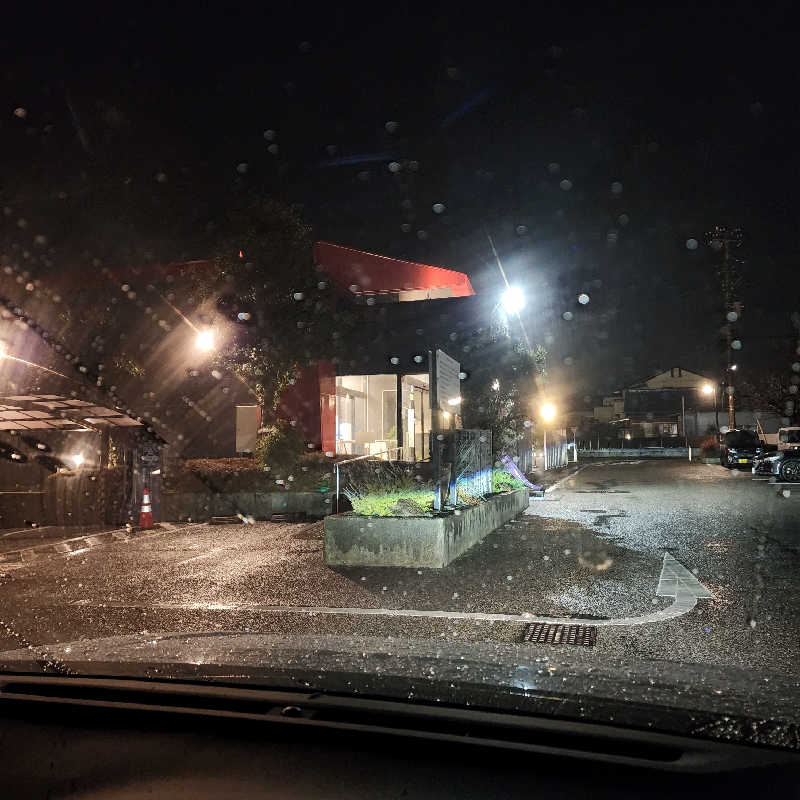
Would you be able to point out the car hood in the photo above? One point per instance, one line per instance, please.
(699, 700)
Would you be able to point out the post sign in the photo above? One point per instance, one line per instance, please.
(448, 384)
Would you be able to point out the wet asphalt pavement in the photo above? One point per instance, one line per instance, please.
(593, 548)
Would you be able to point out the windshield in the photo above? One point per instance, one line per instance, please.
(741, 439)
(402, 346)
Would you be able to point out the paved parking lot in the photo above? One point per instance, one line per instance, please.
(593, 549)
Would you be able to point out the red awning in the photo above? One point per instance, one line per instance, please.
(368, 273)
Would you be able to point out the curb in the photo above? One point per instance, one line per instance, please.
(65, 547)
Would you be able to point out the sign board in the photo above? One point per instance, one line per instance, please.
(149, 452)
(448, 385)
(248, 421)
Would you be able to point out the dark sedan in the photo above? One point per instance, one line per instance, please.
(739, 449)
(784, 464)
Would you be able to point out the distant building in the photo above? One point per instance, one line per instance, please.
(670, 406)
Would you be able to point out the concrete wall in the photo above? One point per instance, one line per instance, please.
(352, 540)
(178, 506)
(19, 508)
(634, 452)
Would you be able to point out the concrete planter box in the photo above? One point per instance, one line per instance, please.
(416, 541)
(178, 506)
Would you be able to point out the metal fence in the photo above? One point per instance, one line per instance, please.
(556, 451)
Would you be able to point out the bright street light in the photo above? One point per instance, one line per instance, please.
(513, 300)
(548, 412)
(77, 459)
(707, 388)
(454, 401)
(205, 340)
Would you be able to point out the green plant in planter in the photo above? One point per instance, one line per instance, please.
(503, 481)
(381, 505)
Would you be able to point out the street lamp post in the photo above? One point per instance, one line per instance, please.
(709, 388)
(548, 413)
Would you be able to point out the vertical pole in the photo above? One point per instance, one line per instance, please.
(716, 410)
(729, 330)
(422, 418)
(545, 448)
(683, 420)
(337, 487)
(399, 419)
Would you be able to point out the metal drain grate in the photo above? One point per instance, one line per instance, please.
(544, 633)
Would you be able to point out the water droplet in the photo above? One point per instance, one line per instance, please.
(691, 244)
(736, 344)
(583, 298)
(566, 184)
(390, 126)
(616, 188)
(731, 316)
(438, 208)
(273, 149)
(567, 315)
(394, 166)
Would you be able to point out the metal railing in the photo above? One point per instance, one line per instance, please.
(338, 464)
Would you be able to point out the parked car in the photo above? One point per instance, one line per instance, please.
(789, 438)
(739, 448)
(784, 464)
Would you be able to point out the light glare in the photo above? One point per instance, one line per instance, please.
(513, 300)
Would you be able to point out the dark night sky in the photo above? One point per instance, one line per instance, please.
(692, 109)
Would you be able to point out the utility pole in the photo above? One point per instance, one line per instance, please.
(724, 240)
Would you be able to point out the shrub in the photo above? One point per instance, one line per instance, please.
(217, 475)
(502, 481)
(710, 446)
(279, 446)
(309, 472)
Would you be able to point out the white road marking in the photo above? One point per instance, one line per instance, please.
(675, 581)
(28, 529)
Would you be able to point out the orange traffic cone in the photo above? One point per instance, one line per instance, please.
(146, 514)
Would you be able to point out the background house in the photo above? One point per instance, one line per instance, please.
(665, 409)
